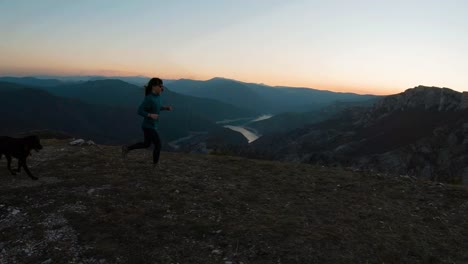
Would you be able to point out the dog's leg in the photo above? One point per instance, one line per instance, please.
(9, 164)
(19, 166)
(25, 167)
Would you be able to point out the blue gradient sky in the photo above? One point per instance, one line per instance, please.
(364, 46)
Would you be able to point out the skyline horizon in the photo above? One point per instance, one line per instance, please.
(295, 84)
(52, 76)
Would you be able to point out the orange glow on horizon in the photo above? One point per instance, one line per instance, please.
(23, 71)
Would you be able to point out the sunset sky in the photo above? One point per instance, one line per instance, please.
(363, 46)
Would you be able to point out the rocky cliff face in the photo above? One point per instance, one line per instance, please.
(428, 98)
(421, 98)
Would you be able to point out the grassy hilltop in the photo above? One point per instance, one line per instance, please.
(90, 206)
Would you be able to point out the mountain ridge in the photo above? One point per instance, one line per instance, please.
(428, 139)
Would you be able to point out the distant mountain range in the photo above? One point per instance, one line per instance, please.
(213, 100)
(26, 108)
(32, 81)
(37, 80)
(113, 92)
(255, 98)
(264, 99)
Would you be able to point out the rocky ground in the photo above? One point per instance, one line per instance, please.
(90, 206)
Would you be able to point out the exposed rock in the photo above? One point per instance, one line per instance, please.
(81, 142)
(217, 252)
(77, 142)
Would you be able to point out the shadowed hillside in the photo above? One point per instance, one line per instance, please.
(91, 207)
(119, 93)
(421, 132)
(24, 109)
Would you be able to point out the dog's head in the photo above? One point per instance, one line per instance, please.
(33, 142)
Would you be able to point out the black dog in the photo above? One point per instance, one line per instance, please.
(19, 148)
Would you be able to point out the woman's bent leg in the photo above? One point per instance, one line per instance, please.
(145, 144)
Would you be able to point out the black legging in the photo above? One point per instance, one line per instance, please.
(151, 136)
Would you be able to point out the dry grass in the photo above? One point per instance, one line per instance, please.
(89, 206)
